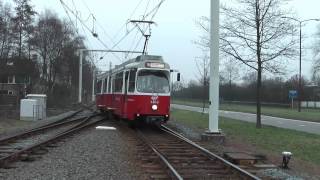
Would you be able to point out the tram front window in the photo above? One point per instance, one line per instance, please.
(153, 81)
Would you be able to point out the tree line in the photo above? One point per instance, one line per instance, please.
(258, 35)
(275, 90)
(45, 47)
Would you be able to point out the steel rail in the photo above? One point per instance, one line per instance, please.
(17, 155)
(210, 154)
(41, 128)
(173, 171)
(63, 119)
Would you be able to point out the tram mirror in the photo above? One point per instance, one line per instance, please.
(178, 77)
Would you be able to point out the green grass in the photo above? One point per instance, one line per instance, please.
(305, 114)
(189, 102)
(275, 140)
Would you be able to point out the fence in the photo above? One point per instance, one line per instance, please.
(310, 104)
(254, 103)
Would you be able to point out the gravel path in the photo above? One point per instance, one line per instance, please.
(90, 154)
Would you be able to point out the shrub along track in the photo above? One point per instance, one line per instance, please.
(31, 143)
(166, 154)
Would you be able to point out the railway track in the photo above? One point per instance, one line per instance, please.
(25, 145)
(180, 158)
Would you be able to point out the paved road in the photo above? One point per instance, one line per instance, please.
(305, 126)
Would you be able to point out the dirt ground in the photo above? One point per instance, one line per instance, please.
(298, 169)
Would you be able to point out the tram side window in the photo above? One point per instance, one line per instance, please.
(132, 80)
(126, 81)
(113, 83)
(105, 85)
(98, 89)
(118, 82)
(102, 86)
(109, 86)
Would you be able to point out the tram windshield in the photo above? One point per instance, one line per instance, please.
(153, 81)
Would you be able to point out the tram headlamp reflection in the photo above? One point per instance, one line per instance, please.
(154, 107)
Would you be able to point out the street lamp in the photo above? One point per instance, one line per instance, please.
(300, 85)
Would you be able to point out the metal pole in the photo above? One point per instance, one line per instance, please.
(214, 68)
(300, 83)
(300, 88)
(95, 50)
(93, 82)
(80, 77)
(110, 82)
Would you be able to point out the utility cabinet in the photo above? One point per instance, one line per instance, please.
(33, 108)
(42, 104)
(29, 110)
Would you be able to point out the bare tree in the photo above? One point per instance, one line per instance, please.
(230, 72)
(255, 33)
(202, 64)
(203, 75)
(316, 60)
(50, 37)
(6, 35)
(23, 20)
(177, 86)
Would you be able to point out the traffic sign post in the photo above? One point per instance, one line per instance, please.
(293, 94)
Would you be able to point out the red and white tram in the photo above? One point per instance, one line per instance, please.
(138, 89)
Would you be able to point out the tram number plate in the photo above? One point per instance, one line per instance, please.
(154, 100)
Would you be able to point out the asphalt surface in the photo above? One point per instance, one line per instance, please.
(304, 126)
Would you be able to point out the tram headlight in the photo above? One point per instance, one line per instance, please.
(154, 107)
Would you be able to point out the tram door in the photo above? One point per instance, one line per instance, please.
(125, 98)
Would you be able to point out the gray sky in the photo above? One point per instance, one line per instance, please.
(172, 37)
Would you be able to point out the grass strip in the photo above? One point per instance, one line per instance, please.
(304, 146)
(304, 115)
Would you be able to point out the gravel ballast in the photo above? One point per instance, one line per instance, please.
(89, 154)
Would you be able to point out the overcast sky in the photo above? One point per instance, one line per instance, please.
(172, 36)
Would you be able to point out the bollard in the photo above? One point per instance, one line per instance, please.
(286, 156)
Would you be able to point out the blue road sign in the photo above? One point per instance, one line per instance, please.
(293, 94)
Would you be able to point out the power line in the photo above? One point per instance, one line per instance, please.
(94, 34)
(128, 32)
(154, 11)
(75, 26)
(146, 8)
(103, 29)
(132, 45)
(137, 44)
(120, 40)
(124, 25)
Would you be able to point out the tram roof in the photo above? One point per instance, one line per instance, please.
(139, 59)
(135, 62)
